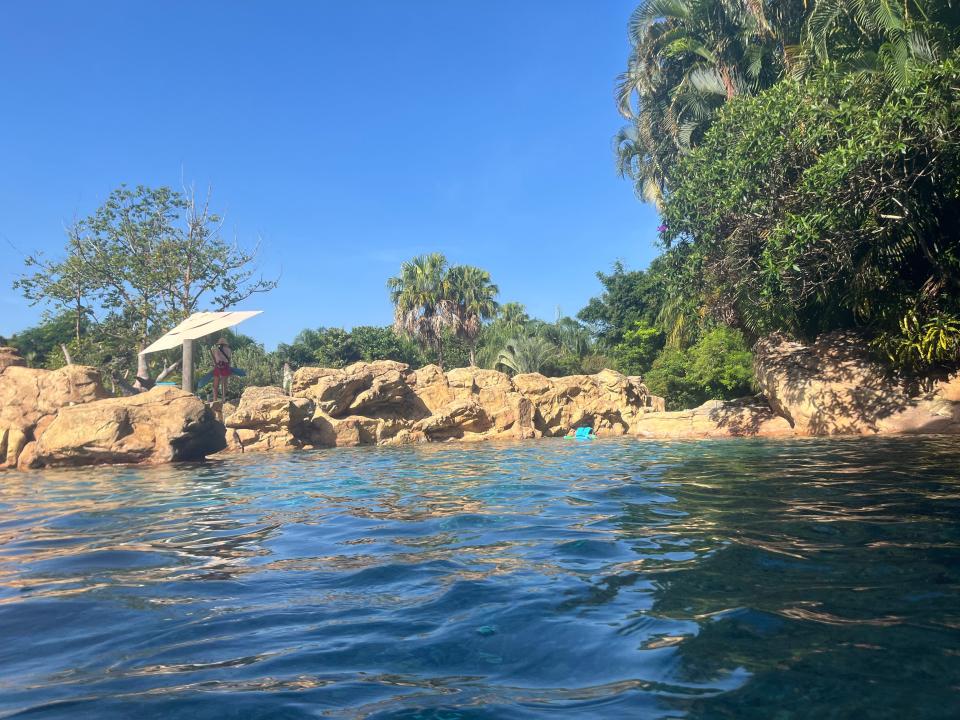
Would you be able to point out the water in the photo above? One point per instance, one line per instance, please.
(743, 579)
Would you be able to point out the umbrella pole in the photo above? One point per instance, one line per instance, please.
(188, 365)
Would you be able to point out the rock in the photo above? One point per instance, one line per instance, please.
(357, 388)
(165, 424)
(27, 395)
(387, 403)
(949, 389)
(608, 402)
(653, 403)
(457, 419)
(431, 387)
(834, 387)
(10, 357)
(327, 431)
(268, 419)
(749, 417)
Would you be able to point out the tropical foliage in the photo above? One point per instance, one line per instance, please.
(690, 57)
(717, 366)
(142, 262)
(474, 301)
(433, 301)
(337, 348)
(817, 189)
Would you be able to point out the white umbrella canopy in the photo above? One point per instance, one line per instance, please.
(199, 325)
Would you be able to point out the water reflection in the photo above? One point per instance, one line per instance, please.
(733, 579)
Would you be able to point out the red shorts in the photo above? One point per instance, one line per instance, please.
(221, 370)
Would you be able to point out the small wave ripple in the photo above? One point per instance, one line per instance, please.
(742, 579)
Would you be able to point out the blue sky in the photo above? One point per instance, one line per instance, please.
(345, 136)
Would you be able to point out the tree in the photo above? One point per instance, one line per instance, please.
(525, 354)
(688, 58)
(511, 320)
(638, 349)
(40, 345)
(829, 203)
(718, 366)
(867, 37)
(513, 315)
(144, 261)
(473, 295)
(383, 343)
(423, 301)
(629, 297)
(64, 286)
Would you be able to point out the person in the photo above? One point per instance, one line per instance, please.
(222, 355)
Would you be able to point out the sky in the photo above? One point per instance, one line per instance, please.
(343, 137)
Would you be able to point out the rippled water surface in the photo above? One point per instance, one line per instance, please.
(743, 579)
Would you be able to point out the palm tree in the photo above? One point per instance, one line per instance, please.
(513, 315)
(511, 321)
(567, 335)
(878, 36)
(422, 300)
(688, 58)
(526, 354)
(473, 295)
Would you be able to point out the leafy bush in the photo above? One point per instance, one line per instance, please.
(828, 204)
(337, 348)
(639, 348)
(718, 366)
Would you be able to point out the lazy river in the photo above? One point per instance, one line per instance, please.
(613, 578)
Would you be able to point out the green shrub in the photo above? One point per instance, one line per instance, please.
(718, 366)
(639, 348)
(828, 204)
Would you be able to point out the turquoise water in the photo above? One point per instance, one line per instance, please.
(741, 579)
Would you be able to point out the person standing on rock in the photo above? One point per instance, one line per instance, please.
(222, 355)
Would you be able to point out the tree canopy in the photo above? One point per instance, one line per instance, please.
(142, 262)
(804, 159)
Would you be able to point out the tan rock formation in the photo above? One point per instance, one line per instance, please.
(267, 419)
(28, 395)
(749, 417)
(387, 403)
(357, 388)
(949, 389)
(165, 424)
(608, 402)
(833, 387)
(9, 357)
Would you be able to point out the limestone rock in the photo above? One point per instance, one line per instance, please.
(10, 357)
(455, 420)
(165, 424)
(834, 387)
(608, 402)
(267, 419)
(385, 402)
(27, 395)
(924, 415)
(949, 389)
(327, 431)
(432, 388)
(749, 417)
(357, 388)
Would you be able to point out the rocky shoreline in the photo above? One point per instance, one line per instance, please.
(65, 418)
